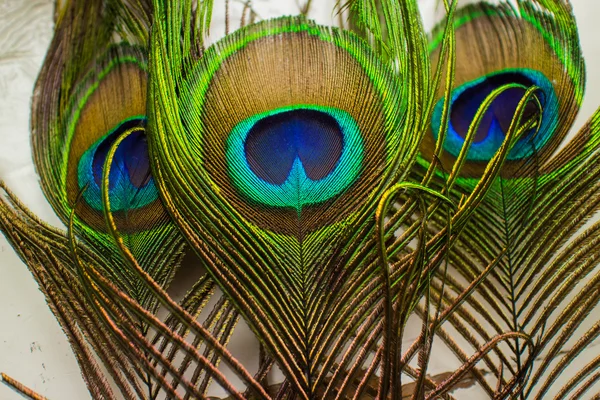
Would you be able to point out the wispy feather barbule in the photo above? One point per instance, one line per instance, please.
(327, 184)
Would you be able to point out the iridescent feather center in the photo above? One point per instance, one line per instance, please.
(295, 156)
(493, 127)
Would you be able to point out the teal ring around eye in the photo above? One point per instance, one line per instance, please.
(298, 190)
(485, 150)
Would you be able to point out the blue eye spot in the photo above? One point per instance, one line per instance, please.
(274, 143)
(296, 156)
(130, 182)
(489, 136)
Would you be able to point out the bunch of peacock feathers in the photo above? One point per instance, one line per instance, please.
(330, 184)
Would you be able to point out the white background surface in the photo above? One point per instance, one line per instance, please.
(33, 348)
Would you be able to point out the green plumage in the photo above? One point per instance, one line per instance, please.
(328, 184)
(102, 85)
(269, 259)
(513, 251)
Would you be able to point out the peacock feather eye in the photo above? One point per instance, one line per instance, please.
(293, 157)
(108, 103)
(283, 118)
(497, 118)
(503, 53)
(130, 182)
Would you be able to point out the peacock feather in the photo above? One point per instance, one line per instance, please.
(525, 250)
(336, 191)
(80, 109)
